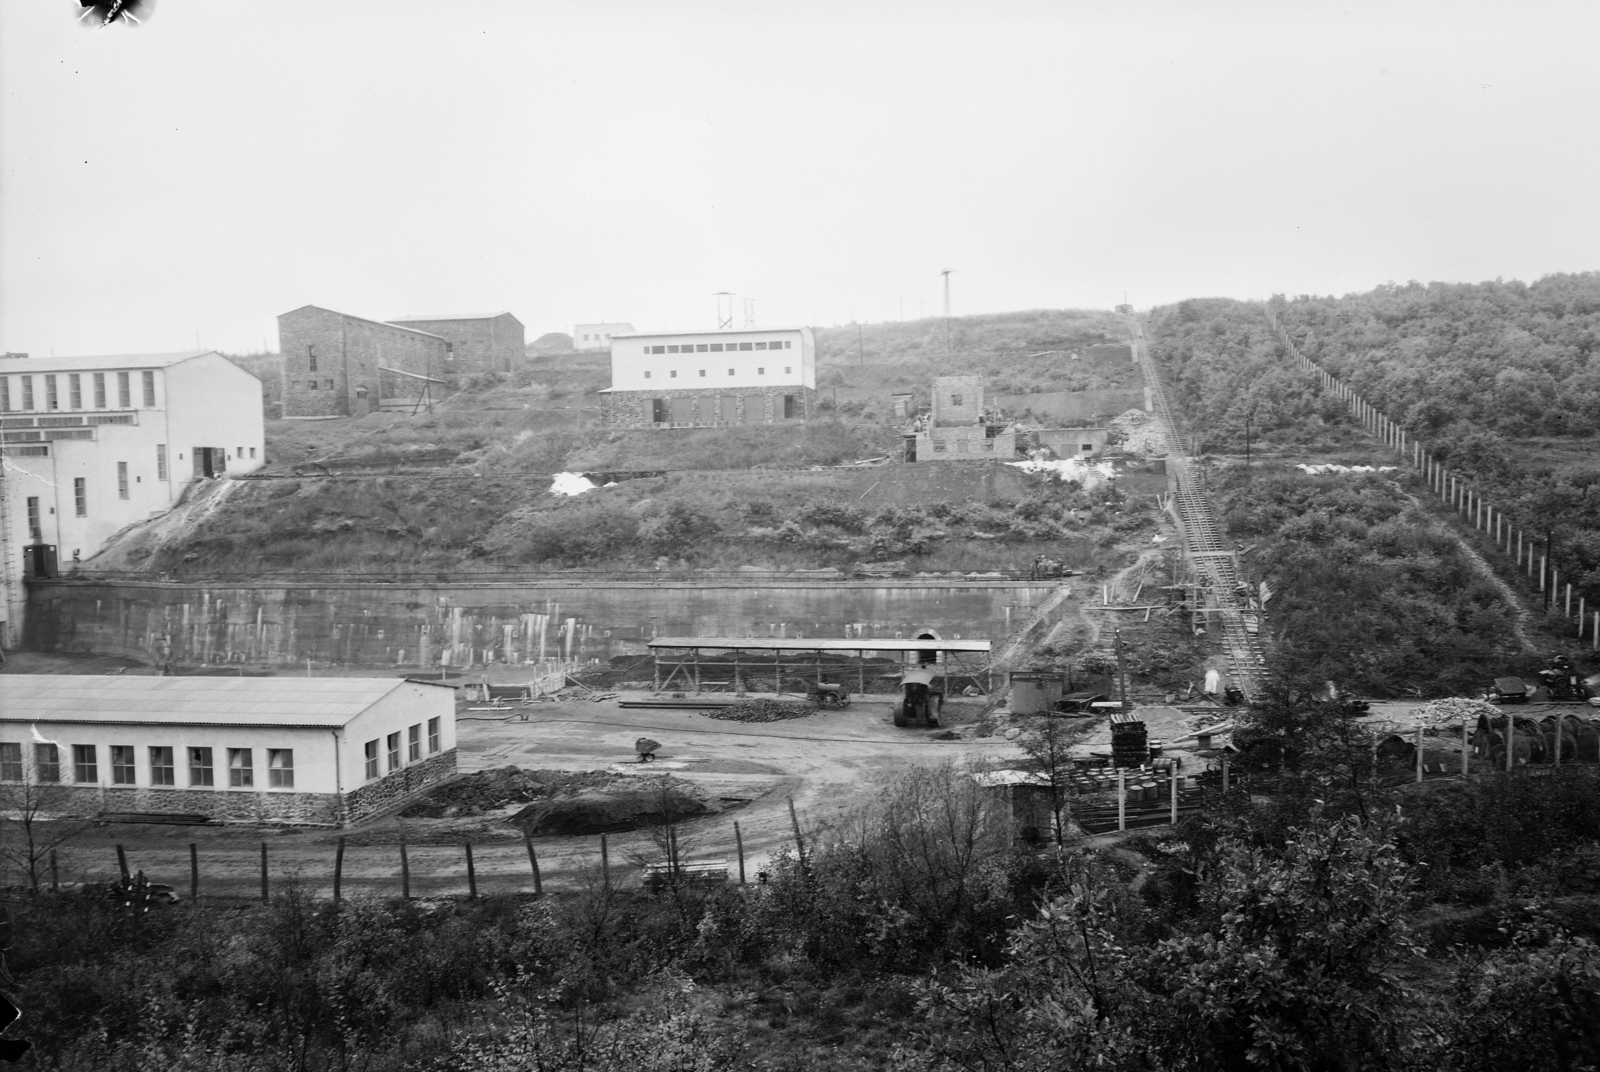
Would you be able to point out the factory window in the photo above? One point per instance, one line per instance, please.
(200, 767)
(730, 372)
(252, 452)
(51, 401)
(788, 344)
(311, 358)
(161, 461)
(701, 347)
(99, 390)
(35, 530)
(122, 480)
(80, 496)
(658, 349)
(761, 372)
(788, 369)
(27, 392)
(746, 346)
(672, 349)
(761, 346)
(647, 374)
(716, 348)
(702, 372)
(241, 768)
(433, 735)
(47, 763)
(124, 392)
(673, 374)
(10, 762)
(161, 769)
(5, 394)
(1088, 447)
(122, 764)
(394, 751)
(414, 743)
(371, 750)
(84, 766)
(75, 390)
(280, 768)
(149, 379)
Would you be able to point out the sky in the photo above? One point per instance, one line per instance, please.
(179, 183)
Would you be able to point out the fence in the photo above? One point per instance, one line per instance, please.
(1455, 492)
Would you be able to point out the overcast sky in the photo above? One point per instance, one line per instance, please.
(229, 160)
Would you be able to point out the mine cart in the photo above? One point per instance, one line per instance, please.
(918, 699)
(829, 694)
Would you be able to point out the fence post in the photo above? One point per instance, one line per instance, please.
(605, 863)
(194, 872)
(738, 844)
(1463, 748)
(1224, 774)
(55, 874)
(1172, 778)
(533, 860)
(122, 862)
(472, 876)
(338, 871)
(405, 872)
(1122, 799)
(794, 820)
(264, 897)
(1419, 753)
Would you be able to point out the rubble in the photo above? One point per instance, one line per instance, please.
(1453, 711)
(1140, 434)
(762, 711)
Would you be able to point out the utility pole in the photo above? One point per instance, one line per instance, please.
(749, 313)
(1122, 673)
(946, 273)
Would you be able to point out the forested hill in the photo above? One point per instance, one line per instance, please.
(1519, 359)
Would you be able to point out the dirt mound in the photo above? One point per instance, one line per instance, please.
(762, 711)
(1140, 433)
(565, 802)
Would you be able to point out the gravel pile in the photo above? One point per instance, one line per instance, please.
(1454, 711)
(762, 711)
(1140, 433)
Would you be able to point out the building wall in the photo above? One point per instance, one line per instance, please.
(635, 366)
(349, 351)
(957, 400)
(410, 705)
(479, 344)
(597, 336)
(705, 407)
(1075, 406)
(1067, 442)
(955, 444)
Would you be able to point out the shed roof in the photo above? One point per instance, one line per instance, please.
(325, 702)
(111, 361)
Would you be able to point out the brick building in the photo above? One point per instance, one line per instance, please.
(711, 379)
(484, 342)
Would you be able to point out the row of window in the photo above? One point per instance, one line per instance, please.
(162, 765)
(392, 749)
(27, 398)
(672, 374)
(80, 487)
(718, 347)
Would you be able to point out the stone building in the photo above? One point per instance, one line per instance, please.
(711, 379)
(484, 342)
(338, 365)
(251, 750)
(956, 427)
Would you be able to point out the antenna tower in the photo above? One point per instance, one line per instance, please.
(749, 312)
(724, 310)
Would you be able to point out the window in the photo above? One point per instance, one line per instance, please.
(75, 390)
(788, 344)
(200, 767)
(761, 346)
(5, 394)
(787, 369)
(50, 399)
(672, 375)
(647, 375)
(394, 751)
(35, 531)
(311, 384)
(27, 392)
(311, 358)
(955, 400)
(327, 385)
(10, 762)
(658, 349)
(746, 346)
(730, 372)
(99, 390)
(124, 392)
(241, 768)
(238, 452)
(84, 766)
(149, 379)
(1088, 447)
(702, 372)
(161, 461)
(252, 452)
(161, 768)
(80, 496)
(371, 749)
(672, 349)
(414, 743)
(433, 735)
(280, 768)
(122, 480)
(47, 762)
(122, 764)
(761, 372)
(701, 347)
(716, 348)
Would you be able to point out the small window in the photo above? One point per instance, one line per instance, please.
(161, 461)
(99, 390)
(746, 346)
(394, 751)
(200, 772)
(788, 344)
(311, 384)
(124, 391)
(311, 359)
(761, 346)
(80, 496)
(955, 400)
(27, 392)
(252, 452)
(647, 374)
(122, 480)
(1088, 447)
(10, 762)
(371, 750)
(672, 375)
(122, 764)
(161, 769)
(149, 379)
(327, 385)
(84, 765)
(761, 372)
(788, 370)
(35, 527)
(730, 372)
(241, 768)
(280, 768)
(433, 735)
(75, 390)
(50, 399)
(716, 348)
(5, 394)
(47, 763)
(414, 743)
(702, 373)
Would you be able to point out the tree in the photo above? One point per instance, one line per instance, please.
(1047, 743)
(1323, 744)
(34, 825)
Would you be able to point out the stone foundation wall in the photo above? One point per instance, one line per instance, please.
(712, 407)
(378, 796)
(223, 805)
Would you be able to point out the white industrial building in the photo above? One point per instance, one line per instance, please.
(93, 444)
(597, 336)
(711, 378)
(240, 749)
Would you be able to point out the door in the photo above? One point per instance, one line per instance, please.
(683, 410)
(658, 411)
(789, 408)
(209, 461)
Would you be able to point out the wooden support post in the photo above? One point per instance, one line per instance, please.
(1568, 611)
(777, 672)
(405, 872)
(799, 842)
(1464, 749)
(1511, 735)
(533, 860)
(265, 893)
(1172, 787)
(1594, 633)
(861, 671)
(696, 660)
(655, 658)
(122, 863)
(605, 864)
(338, 871)
(1419, 753)
(1122, 799)
(472, 875)
(55, 873)
(1542, 571)
(1224, 774)
(194, 872)
(738, 845)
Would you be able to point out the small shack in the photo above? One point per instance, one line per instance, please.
(1036, 692)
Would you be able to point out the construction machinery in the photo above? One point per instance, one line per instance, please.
(919, 699)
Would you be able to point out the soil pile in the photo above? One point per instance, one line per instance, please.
(1140, 433)
(762, 711)
(566, 802)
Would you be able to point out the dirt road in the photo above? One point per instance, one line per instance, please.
(826, 763)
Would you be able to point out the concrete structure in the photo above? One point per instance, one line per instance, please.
(1066, 442)
(337, 365)
(956, 427)
(94, 444)
(597, 336)
(711, 379)
(1064, 408)
(484, 342)
(308, 750)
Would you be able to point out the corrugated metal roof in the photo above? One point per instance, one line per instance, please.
(14, 365)
(327, 702)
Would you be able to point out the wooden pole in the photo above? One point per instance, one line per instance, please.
(861, 670)
(1464, 749)
(794, 820)
(605, 864)
(472, 876)
(55, 873)
(1510, 738)
(1122, 799)
(1419, 753)
(1224, 774)
(738, 844)
(194, 872)
(122, 863)
(264, 891)
(338, 871)
(405, 873)
(533, 860)
(777, 671)
(1172, 786)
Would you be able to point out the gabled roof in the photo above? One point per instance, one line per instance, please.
(450, 316)
(309, 703)
(77, 364)
(363, 319)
